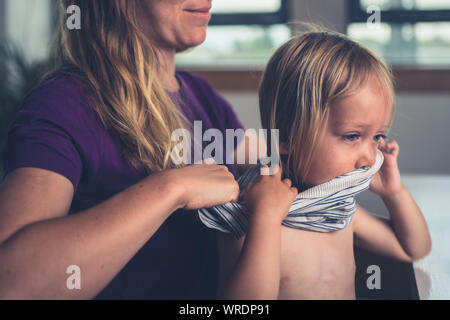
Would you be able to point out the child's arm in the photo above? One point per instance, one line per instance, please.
(408, 239)
(250, 268)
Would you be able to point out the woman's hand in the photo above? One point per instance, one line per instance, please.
(203, 185)
(387, 182)
(270, 197)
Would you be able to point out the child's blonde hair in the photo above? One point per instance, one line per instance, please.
(302, 79)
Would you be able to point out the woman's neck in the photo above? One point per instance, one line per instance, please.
(166, 70)
(164, 52)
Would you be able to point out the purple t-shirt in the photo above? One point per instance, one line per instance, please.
(56, 129)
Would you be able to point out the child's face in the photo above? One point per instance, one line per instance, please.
(356, 126)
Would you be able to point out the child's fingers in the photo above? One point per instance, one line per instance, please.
(393, 145)
(392, 148)
(287, 182)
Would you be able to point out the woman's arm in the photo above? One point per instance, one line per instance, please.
(254, 272)
(39, 242)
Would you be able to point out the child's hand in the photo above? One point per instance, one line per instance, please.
(269, 197)
(387, 182)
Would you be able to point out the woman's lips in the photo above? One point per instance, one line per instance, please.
(200, 13)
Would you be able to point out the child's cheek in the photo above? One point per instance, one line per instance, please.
(323, 169)
(339, 163)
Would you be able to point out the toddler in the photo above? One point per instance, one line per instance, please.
(333, 102)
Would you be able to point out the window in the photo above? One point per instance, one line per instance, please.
(27, 25)
(241, 33)
(261, 12)
(410, 32)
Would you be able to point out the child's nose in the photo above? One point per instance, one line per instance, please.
(367, 158)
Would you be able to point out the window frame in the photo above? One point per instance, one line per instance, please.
(263, 19)
(407, 80)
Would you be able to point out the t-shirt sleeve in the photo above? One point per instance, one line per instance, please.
(39, 138)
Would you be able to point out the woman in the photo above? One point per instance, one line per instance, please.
(89, 177)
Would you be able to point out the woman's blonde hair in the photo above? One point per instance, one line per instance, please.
(301, 81)
(118, 64)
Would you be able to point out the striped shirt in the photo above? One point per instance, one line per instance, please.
(323, 208)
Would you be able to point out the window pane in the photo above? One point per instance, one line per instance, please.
(246, 6)
(235, 46)
(422, 44)
(27, 24)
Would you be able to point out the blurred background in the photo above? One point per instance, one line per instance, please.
(413, 36)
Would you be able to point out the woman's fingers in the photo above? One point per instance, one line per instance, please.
(206, 185)
(211, 165)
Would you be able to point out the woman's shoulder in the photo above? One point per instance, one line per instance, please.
(58, 81)
(61, 99)
(51, 129)
(58, 90)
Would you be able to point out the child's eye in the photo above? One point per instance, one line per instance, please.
(351, 137)
(378, 137)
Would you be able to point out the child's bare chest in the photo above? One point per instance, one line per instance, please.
(317, 265)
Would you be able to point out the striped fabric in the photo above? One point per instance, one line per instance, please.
(323, 208)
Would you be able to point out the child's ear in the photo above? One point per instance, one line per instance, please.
(283, 148)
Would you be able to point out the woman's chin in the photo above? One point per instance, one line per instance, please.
(192, 42)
